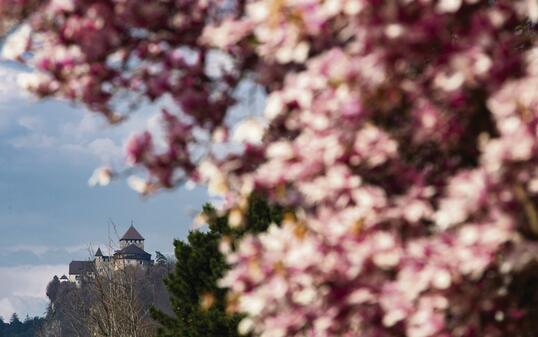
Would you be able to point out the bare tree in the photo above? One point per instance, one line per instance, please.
(113, 299)
(116, 308)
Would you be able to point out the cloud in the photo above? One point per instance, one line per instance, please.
(9, 93)
(105, 149)
(42, 250)
(33, 141)
(59, 127)
(88, 124)
(75, 135)
(31, 123)
(9, 88)
(40, 255)
(53, 125)
(47, 152)
(24, 289)
(22, 305)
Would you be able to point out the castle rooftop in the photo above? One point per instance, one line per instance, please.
(81, 267)
(98, 252)
(134, 252)
(131, 234)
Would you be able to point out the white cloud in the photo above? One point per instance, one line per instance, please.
(69, 130)
(35, 255)
(22, 305)
(31, 123)
(41, 250)
(9, 88)
(9, 94)
(105, 149)
(88, 124)
(33, 141)
(24, 288)
(53, 125)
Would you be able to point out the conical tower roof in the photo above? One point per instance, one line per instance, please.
(132, 234)
(98, 252)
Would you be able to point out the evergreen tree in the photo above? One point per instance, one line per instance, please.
(2, 327)
(199, 304)
(160, 259)
(15, 321)
(16, 328)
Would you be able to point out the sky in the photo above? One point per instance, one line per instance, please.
(48, 213)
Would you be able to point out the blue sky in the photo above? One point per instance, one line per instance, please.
(48, 214)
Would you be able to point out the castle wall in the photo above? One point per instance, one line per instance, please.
(123, 263)
(127, 243)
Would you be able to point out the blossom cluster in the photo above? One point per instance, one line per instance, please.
(403, 134)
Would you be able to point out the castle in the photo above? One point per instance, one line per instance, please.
(131, 253)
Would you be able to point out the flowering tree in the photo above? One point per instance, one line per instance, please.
(404, 133)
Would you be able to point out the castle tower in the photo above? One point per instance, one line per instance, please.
(99, 259)
(132, 237)
(98, 255)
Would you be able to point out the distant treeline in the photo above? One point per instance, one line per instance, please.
(17, 328)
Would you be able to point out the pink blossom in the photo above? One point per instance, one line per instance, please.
(402, 134)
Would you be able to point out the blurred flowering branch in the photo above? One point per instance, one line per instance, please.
(397, 130)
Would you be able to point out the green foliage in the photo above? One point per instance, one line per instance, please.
(160, 259)
(15, 321)
(199, 304)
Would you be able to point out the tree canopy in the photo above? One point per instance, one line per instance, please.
(201, 307)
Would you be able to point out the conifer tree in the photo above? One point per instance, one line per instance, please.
(160, 259)
(15, 321)
(2, 326)
(199, 304)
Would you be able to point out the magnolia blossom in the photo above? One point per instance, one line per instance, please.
(17, 43)
(402, 134)
(248, 131)
(101, 176)
(139, 185)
